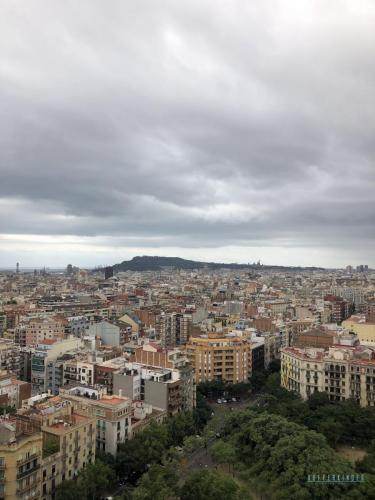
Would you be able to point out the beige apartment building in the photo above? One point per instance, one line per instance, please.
(220, 357)
(68, 438)
(74, 439)
(343, 372)
(20, 463)
(49, 328)
(78, 371)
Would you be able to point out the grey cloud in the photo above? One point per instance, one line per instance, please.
(145, 120)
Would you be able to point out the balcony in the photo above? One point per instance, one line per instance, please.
(34, 493)
(30, 458)
(21, 475)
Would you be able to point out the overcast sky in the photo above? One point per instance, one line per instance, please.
(217, 130)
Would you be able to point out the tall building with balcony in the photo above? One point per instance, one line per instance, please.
(174, 329)
(218, 357)
(78, 371)
(340, 307)
(343, 372)
(68, 439)
(73, 436)
(20, 463)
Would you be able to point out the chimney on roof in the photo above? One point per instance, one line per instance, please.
(120, 392)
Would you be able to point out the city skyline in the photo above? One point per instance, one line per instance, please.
(212, 131)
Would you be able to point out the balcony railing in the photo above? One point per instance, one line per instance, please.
(27, 459)
(27, 472)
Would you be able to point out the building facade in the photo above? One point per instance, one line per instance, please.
(216, 357)
(343, 372)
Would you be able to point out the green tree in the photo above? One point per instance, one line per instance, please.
(202, 412)
(209, 485)
(70, 490)
(96, 479)
(223, 452)
(146, 448)
(158, 483)
(317, 400)
(180, 426)
(192, 443)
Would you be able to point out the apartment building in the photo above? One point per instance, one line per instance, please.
(355, 297)
(104, 372)
(46, 328)
(218, 357)
(340, 307)
(152, 355)
(113, 414)
(257, 355)
(77, 326)
(78, 370)
(9, 357)
(20, 463)
(74, 436)
(290, 329)
(68, 439)
(12, 390)
(343, 372)
(163, 388)
(272, 345)
(174, 328)
(46, 352)
(106, 331)
(276, 307)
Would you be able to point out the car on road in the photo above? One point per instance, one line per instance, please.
(219, 401)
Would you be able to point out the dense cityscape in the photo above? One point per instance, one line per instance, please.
(95, 364)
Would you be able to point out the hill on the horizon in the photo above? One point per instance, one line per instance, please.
(156, 263)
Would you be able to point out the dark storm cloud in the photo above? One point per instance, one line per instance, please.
(200, 124)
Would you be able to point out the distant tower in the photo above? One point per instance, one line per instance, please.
(17, 267)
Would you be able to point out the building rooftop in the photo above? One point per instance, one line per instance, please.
(113, 400)
(66, 425)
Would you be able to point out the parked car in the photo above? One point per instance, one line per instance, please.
(219, 401)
